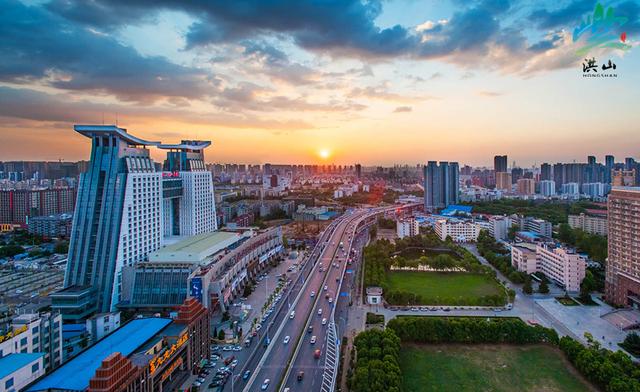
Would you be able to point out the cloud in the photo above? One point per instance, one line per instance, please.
(382, 92)
(40, 47)
(37, 107)
(403, 109)
(568, 16)
(491, 94)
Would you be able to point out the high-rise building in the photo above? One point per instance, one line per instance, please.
(622, 278)
(526, 186)
(591, 160)
(545, 172)
(503, 181)
(500, 163)
(17, 206)
(623, 177)
(124, 206)
(358, 171)
(609, 163)
(118, 219)
(547, 188)
(441, 184)
(193, 211)
(516, 174)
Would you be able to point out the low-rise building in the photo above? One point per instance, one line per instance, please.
(102, 324)
(374, 295)
(407, 228)
(589, 223)
(458, 230)
(523, 258)
(144, 355)
(19, 370)
(52, 226)
(562, 265)
(212, 267)
(35, 333)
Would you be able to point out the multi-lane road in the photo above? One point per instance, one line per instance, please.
(281, 363)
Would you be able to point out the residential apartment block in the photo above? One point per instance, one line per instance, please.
(590, 223)
(562, 265)
(458, 230)
(407, 228)
(622, 278)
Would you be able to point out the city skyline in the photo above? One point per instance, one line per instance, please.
(376, 83)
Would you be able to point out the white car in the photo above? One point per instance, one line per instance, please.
(286, 339)
(330, 300)
(265, 384)
(313, 339)
(319, 311)
(326, 288)
(313, 293)
(324, 321)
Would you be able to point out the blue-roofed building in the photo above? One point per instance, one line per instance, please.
(529, 236)
(456, 210)
(75, 374)
(146, 354)
(19, 370)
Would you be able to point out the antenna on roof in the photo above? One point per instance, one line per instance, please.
(116, 119)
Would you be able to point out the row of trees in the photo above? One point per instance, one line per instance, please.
(469, 330)
(401, 297)
(496, 256)
(377, 367)
(611, 371)
(555, 212)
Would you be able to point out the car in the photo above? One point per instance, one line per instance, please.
(300, 375)
(286, 339)
(316, 354)
(246, 374)
(258, 326)
(292, 315)
(197, 384)
(330, 300)
(237, 348)
(265, 384)
(324, 321)
(313, 339)
(310, 329)
(326, 288)
(313, 293)
(200, 380)
(319, 311)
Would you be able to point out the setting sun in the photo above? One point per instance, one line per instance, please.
(324, 153)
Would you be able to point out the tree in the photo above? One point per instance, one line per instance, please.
(632, 343)
(512, 232)
(544, 287)
(565, 234)
(373, 231)
(285, 242)
(221, 334)
(10, 250)
(248, 289)
(527, 289)
(61, 247)
(587, 286)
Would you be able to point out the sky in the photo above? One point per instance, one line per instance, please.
(321, 81)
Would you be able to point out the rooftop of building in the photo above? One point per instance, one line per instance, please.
(75, 374)
(13, 362)
(195, 249)
(73, 290)
(529, 234)
(455, 209)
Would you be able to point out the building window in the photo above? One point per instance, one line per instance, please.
(35, 367)
(9, 383)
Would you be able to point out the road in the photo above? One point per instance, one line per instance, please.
(272, 365)
(340, 294)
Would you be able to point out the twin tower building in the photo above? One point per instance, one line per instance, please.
(127, 207)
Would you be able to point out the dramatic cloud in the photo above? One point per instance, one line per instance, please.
(38, 46)
(403, 109)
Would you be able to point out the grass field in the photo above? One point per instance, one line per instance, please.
(443, 288)
(458, 368)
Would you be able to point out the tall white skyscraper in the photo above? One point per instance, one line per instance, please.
(125, 208)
